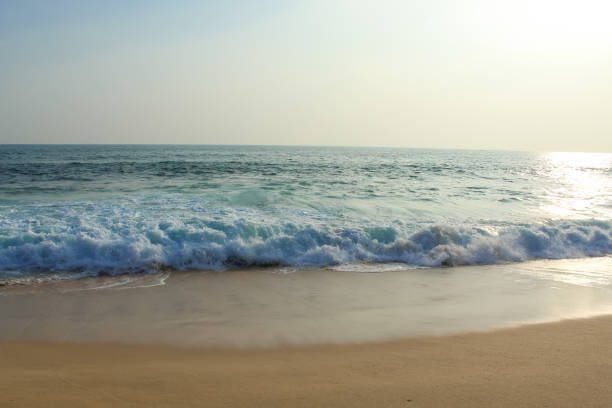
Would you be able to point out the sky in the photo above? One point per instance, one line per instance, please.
(519, 74)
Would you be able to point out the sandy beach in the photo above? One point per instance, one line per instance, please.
(564, 364)
(262, 338)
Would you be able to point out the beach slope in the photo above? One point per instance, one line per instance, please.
(564, 364)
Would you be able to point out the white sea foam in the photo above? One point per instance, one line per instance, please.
(132, 245)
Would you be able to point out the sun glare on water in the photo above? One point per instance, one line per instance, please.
(581, 184)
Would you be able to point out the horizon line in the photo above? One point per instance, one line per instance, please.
(305, 145)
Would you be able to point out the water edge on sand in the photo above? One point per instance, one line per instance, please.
(278, 306)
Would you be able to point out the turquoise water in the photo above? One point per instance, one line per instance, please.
(80, 209)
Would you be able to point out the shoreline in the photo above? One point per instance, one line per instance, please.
(267, 308)
(549, 364)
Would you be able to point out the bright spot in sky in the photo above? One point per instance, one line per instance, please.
(545, 25)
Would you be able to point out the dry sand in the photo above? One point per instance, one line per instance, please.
(566, 364)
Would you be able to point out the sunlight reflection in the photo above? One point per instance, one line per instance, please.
(588, 272)
(580, 184)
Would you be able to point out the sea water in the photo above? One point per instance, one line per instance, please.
(75, 210)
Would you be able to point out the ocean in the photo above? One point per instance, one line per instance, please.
(69, 211)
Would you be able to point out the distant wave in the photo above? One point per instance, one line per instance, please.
(213, 244)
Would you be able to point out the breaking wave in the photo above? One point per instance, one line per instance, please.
(121, 247)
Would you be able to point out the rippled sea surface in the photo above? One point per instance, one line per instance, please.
(74, 210)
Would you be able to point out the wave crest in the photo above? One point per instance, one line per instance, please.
(214, 244)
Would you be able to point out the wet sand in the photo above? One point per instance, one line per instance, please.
(566, 364)
(276, 307)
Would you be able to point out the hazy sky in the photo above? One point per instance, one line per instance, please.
(516, 74)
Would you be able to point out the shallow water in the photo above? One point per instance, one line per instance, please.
(80, 210)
